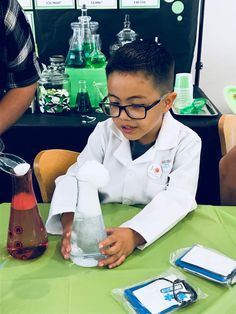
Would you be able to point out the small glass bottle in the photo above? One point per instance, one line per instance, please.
(75, 57)
(96, 59)
(27, 237)
(83, 103)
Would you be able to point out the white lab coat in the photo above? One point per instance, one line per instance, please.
(164, 178)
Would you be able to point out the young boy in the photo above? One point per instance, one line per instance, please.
(152, 158)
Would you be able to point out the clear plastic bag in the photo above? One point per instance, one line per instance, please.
(207, 263)
(164, 293)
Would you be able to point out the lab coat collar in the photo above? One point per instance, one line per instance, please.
(122, 153)
(169, 133)
(167, 138)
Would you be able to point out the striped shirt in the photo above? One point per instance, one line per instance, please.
(19, 65)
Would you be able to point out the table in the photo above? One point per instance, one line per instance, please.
(35, 132)
(51, 285)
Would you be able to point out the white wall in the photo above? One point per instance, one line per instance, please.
(219, 50)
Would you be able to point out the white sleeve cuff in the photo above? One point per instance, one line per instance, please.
(160, 215)
(64, 200)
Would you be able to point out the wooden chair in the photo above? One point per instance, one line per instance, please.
(227, 164)
(50, 164)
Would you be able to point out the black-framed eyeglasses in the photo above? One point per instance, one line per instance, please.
(113, 109)
(181, 291)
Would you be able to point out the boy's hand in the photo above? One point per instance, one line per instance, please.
(119, 244)
(65, 245)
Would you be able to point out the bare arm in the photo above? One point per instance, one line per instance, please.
(14, 104)
(227, 169)
(66, 221)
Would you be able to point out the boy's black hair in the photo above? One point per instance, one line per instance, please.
(146, 56)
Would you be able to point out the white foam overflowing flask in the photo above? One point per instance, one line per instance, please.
(88, 226)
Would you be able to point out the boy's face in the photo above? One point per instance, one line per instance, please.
(137, 88)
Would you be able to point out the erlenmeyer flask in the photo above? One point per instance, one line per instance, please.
(100, 93)
(27, 237)
(75, 57)
(82, 99)
(96, 59)
(88, 226)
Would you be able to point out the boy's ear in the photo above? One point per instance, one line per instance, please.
(169, 99)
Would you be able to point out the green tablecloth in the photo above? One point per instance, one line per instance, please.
(50, 284)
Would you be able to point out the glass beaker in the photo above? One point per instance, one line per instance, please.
(27, 237)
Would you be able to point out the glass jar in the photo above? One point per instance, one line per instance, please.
(57, 62)
(54, 88)
(126, 35)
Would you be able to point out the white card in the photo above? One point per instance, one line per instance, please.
(210, 260)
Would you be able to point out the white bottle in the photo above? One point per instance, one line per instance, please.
(88, 227)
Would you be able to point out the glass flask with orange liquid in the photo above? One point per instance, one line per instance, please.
(27, 237)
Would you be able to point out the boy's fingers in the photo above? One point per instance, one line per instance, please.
(118, 262)
(107, 261)
(107, 242)
(65, 245)
(65, 253)
(112, 261)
